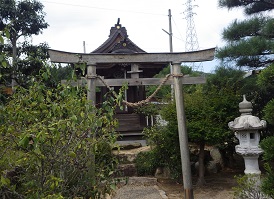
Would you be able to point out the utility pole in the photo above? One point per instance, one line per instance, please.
(169, 32)
(170, 47)
(84, 46)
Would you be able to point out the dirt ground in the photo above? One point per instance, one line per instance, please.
(218, 186)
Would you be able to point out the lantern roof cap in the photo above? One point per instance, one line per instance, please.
(246, 121)
(245, 107)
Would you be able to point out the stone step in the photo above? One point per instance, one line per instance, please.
(145, 181)
(139, 188)
(129, 155)
(126, 170)
(131, 144)
(126, 157)
(131, 135)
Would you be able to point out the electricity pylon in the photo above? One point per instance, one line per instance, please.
(192, 43)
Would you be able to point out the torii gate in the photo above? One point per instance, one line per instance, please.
(177, 80)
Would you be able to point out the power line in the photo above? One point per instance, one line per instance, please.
(109, 9)
(181, 38)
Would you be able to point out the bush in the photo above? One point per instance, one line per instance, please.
(248, 187)
(59, 143)
(268, 112)
(268, 156)
(165, 148)
(146, 163)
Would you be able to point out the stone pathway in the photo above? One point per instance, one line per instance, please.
(140, 188)
(139, 192)
(219, 185)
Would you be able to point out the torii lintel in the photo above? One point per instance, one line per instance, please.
(95, 58)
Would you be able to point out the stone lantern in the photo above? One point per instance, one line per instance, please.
(246, 128)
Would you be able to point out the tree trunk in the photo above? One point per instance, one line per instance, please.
(14, 60)
(201, 178)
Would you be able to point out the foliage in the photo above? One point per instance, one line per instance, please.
(208, 109)
(148, 109)
(268, 147)
(146, 163)
(213, 106)
(266, 78)
(250, 6)
(58, 73)
(268, 156)
(205, 117)
(164, 94)
(263, 97)
(268, 111)
(266, 84)
(4, 64)
(265, 81)
(3, 34)
(248, 188)
(23, 18)
(30, 61)
(166, 149)
(249, 42)
(268, 181)
(55, 144)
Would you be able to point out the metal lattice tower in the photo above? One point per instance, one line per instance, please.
(192, 43)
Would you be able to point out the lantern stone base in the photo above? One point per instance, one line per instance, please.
(248, 150)
(251, 165)
(251, 156)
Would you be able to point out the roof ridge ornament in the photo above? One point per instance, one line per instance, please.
(118, 25)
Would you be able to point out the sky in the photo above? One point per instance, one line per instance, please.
(72, 22)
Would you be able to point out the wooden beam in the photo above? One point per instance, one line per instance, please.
(134, 71)
(95, 58)
(137, 81)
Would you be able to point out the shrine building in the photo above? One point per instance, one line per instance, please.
(131, 124)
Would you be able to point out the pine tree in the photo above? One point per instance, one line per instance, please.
(249, 42)
(250, 6)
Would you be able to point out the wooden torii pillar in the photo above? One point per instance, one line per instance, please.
(175, 58)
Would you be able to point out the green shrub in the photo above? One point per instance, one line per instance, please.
(166, 149)
(146, 163)
(248, 187)
(268, 156)
(60, 143)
